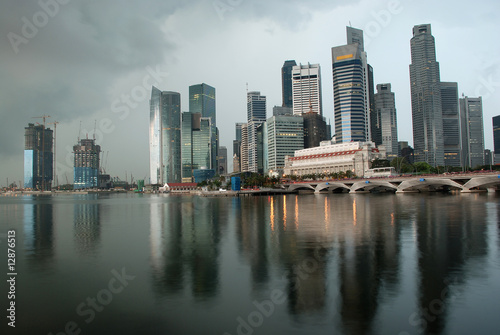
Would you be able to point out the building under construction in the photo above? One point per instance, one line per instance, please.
(86, 164)
(38, 157)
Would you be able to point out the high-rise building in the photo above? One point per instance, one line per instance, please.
(406, 152)
(451, 124)
(351, 90)
(315, 130)
(280, 111)
(237, 149)
(286, 83)
(202, 100)
(165, 137)
(488, 157)
(496, 138)
(187, 147)
(244, 148)
(426, 105)
(471, 117)
(285, 135)
(222, 161)
(386, 120)
(38, 157)
(86, 164)
(256, 114)
(306, 89)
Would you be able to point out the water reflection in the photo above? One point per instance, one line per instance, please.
(38, 229)
(87, 227)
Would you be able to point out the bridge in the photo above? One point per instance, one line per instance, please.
(464, 183)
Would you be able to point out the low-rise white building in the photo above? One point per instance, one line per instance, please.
(330, 158)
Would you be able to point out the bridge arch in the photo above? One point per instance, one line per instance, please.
(369, 185)
(420, 183)
(331, 186)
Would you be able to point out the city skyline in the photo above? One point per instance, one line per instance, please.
(71, 88)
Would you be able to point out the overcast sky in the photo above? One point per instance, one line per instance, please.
(95, 61)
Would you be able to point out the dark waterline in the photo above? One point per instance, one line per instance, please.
(312, 264)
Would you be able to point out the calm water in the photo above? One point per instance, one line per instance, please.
(309, 264)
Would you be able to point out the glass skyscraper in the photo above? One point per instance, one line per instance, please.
(202, 100)
(386, 119)
(86, 164)
(286, 83)
(426, 105)
(471, 117)
(256, 115)
(196, 144)
(351, 90)
(165, 137)
(496, 138)
(451, 124)
(38, 157)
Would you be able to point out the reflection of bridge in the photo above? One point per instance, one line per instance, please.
(465, 183)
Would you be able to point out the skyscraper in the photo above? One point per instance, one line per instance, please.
(315, 130)
(351, 90)
(496, 138)
(237, 148)
(165, 137)
(306, 89)
(256, 115)
(86, 164)
(285, 134)
(244, 148)
(222, 161)
(38, 157)
(451, 124)
(386, 119)
(202, 100)
(286, 83)
(471, 117)
(426, 105)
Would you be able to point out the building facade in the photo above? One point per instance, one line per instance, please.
(86, 164)
(165, 137)
(244, 148)
(351, 90)
(426, 105)
(202, 100)
(280, 111)
(496, 139)
(471, 117)
(306, 88)
(256, 115)
(222, 161)
(386, 119)
(315, 130)
(38, 157)
(451, 124)
(334, 158)
(286, 83)
(285, 135)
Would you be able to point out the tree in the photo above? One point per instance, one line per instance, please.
(380, 163)
(423, 167)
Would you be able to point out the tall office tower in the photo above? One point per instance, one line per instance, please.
(471, 117)
(375, 130)
(202, 100)
(187, 147)
(426, 105)
(351, 90)
(306, 89)
(488, 157)
(237, 148)
(256, 114)
(244, 148)
(315, 130)
(285, 134)
(386, 120)
(496, 138)
(286, 83)
(222, 161)
(86, 164)
(261, 147)
(451, 124)
(38, 157)
(280, 111)
(165, 137)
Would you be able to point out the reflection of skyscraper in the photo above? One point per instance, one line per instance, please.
(426, 98)
(38, 157)
(286, 83)
(87, 229)
(351, 90)
(39, 231)
(471, 116)
(165, 137)
(86, 164)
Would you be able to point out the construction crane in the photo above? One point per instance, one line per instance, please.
(43, 117)
(55, 123)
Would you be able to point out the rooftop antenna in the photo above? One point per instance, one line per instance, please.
(247, 88)
(350, 25)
